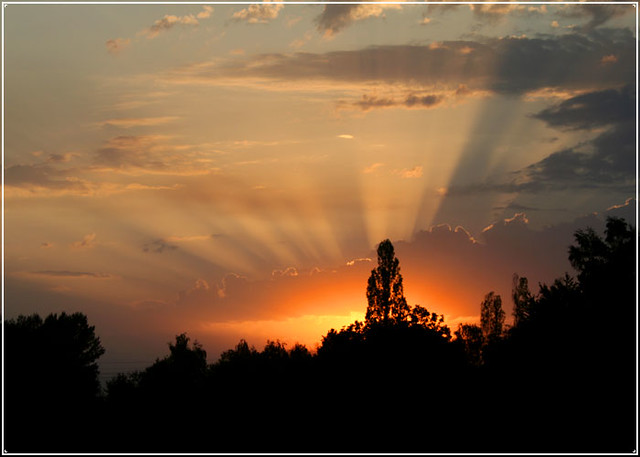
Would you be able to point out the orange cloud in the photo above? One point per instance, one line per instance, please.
(258, 13)
(169, 21)
(415, 172)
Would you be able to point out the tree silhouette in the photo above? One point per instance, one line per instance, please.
(566, 368)
(606, 267)
(51, 380)
(491, 317)
(522, 300)
(470, 336)
(385, 294)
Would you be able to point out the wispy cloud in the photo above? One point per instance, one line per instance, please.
(116, 45)
(149, 155)
(597, 15)
(373, 167)
(72, 274)
(352, 262)
(187, 238)
(127, 123)
(369, 102)
(167, 22)
(87, 242)
(158, 246)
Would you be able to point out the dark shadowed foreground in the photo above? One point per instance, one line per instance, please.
(561, 379)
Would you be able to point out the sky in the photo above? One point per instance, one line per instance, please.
(227, 170)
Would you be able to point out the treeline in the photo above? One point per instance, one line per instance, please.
(562, 378)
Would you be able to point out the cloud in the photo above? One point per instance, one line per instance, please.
(259, 13)
(72, 274)
(44, 180)
(289, 271)
(373, 167)
(605, 161)
(233, 284)
(408, 173)
(47, 181)
(187, 238)
(346, 137)
(507, 65)
(87, 242)
(518, 220)
(591, 110)
(169, 21)
(116, 45)
(127, 123)
(626, 203)
(352, 262)
(158, 246)
(626, 210)
(425, 101)
(205, 13)
(491, 13)
(609, 59)
(299, 42)
(335, 18)
(148, 154)
(597, 14)
(60, 158)
(369, 102)
(445, 269)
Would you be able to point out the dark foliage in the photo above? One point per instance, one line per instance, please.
(51, 382)
(561, 379)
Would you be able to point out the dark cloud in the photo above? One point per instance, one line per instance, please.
(571, 61)
(510, 65)
(591, 110)
(607, 161)
(335, 17)
(369, 102)
(158, 246)
(426, 101)
(522, 208)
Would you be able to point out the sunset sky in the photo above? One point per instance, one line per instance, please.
(228, 170)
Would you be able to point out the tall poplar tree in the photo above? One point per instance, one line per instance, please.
(385, 293)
